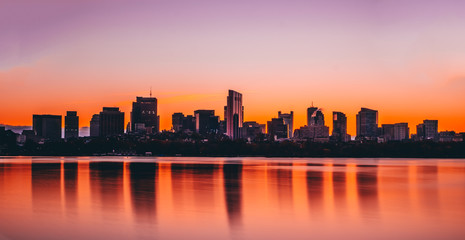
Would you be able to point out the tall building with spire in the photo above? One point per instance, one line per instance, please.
(315, 129)
(144, 116)
(234, 114)
(315, 117)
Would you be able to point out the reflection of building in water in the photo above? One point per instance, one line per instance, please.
(339, 185)
(106, 182)
(314, 189)
(39, 196)
(143, 190)
(367, 188)
(15, 178)
(194, 185)
(70, 187)
(46, 189)
(428, 175)
(232, 174)
(280, 181)
(179, 177)
(336, 187)
(204, 185)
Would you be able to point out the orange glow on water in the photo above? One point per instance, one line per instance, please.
(214, 198)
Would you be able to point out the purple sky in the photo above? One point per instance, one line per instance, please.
(390, 55)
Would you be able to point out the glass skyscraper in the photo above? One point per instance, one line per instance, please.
(234, 114)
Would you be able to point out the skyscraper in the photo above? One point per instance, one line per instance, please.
(367, 124)
(206, 122)
(188, 123)
(315, 129)
(111, 122)
(288, 119)
(47, 126)
(252, 130)
(310, 112)
(315, 117)
(315, 133)
(401, 131)
(277, 129)
(420, 132)
(176, 120)
(339, 133)
(234, 114)
(144, 116)
(431, 129)
(71, 125)
(387, 130)
(428, 130)
(95, 125)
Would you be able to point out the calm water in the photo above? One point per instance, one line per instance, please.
(231, 198)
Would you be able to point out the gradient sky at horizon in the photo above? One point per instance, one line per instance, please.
(403, 58)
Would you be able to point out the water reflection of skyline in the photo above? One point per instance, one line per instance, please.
(229, 195)
(232, 178)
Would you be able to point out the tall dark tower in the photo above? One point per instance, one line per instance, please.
(339, 127)
(111, 122)
(47, 126)
(315, 117)
(95, 125)
(206, 122)
(71, 125)
(367, 124)
(144, 116)
(176, 120)
(234, 114)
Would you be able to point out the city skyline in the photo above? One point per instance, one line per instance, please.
(403, 58)
(144, 120)
(328, 119)
(245, 119)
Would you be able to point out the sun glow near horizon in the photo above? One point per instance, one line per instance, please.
(406, 62)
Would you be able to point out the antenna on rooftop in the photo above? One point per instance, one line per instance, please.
(150, 91)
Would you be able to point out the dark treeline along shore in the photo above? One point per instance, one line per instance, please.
(214, 146)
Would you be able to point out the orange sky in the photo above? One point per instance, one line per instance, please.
(408, 63)
(47, 88)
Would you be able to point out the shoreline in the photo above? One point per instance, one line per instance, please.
(242, 156)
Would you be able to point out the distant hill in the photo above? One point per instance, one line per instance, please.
(83, 132)
(16, 129)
